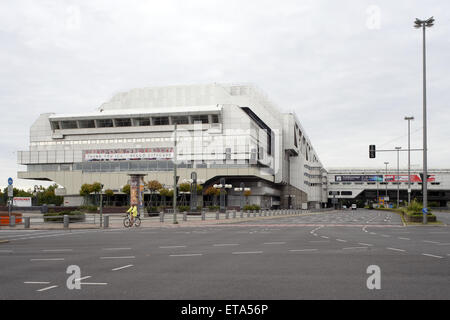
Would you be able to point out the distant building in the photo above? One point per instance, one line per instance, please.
(364, 185)
(229, 131)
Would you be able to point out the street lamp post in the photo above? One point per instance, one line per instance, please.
(409, 157)
(175, 175)
(424, 24)
(398, 176)
(386, 163)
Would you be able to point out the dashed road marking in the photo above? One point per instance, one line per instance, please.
(186, 255)
(432, 255)
(126, 257)
(172, 247)
(433, 242)
(47, 288)
(248, 252)
(366, 244)
(48, 259)
(57, 250)
(340, 240)
(302, 250)
(225, 244)
(124, 267)
(36, 282)
(116, 249)
(275, 243)
(395, 249)
(405, 239)
(354, 248)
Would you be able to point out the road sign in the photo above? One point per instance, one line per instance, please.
(425, 210)
(10, 181)
(10, 191)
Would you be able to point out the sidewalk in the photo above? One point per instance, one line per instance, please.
(116, 222)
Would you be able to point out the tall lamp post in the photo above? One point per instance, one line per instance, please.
(424, 24)
(398, 176)
(409, 157)
(386, 164)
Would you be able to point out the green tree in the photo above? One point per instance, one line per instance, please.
(109, 194)
(153, 186)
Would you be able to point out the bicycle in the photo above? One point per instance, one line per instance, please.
(127, 221)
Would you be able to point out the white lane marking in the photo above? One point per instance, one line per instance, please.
(319, 241)
(354, 248)
(186, 255)
(373, 233)
(47, 288)
(302, 250)
(385, 236)
(431, 255)
(124, 267)
(172, 247)
(340, 240)
(57, 250)
(49, 259)
(248, 252)
(116, 249)
(365, 244)
(126, 257)
(433, 242)
(83, 278)
(405, 239)
(225, 244)
(325, 237)
(275, 243)
(36, 282)
(395, 249)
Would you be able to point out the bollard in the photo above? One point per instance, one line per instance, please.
(185, 216)
(26, 222)
(227, 215)
(217, 215)
(66, 221)
(12, 220)
(161, 216)
(242, 213)
(234, 214)
(255, 212)
(203, 216)
(248, 214)
(106, 222)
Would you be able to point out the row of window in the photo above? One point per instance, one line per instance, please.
(130, 122)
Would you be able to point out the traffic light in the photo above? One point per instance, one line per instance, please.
(372, 151)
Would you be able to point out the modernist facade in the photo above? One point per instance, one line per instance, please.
(222, 131)
(350, 185)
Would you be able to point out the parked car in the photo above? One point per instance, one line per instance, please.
(344, 207)
(354, 206)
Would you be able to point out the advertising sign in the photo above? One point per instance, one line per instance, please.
(22, 201)
(358, 178)
(128, 154)
(404, 178)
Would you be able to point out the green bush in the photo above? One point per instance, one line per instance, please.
(252, 207)
(213, 208)
(183, 208)
(74, 216)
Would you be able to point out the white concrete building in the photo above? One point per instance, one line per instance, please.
(230, 131)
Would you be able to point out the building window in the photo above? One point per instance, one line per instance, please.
(105, 123)
(180, 120)
(55, 125)
(86, 124)
(346, 193)
(215, 118)
(143, 122)
(69, 124)
(160, 121)
(126, 122)
(200, 118)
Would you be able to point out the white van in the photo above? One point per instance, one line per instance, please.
(354, 206)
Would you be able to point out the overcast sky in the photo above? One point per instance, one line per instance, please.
(351, 70)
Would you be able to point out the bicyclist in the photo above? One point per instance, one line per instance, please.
(133, 212)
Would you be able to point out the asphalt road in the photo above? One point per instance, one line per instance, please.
(319, 256)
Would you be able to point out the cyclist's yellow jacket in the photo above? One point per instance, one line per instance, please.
(133, 210)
